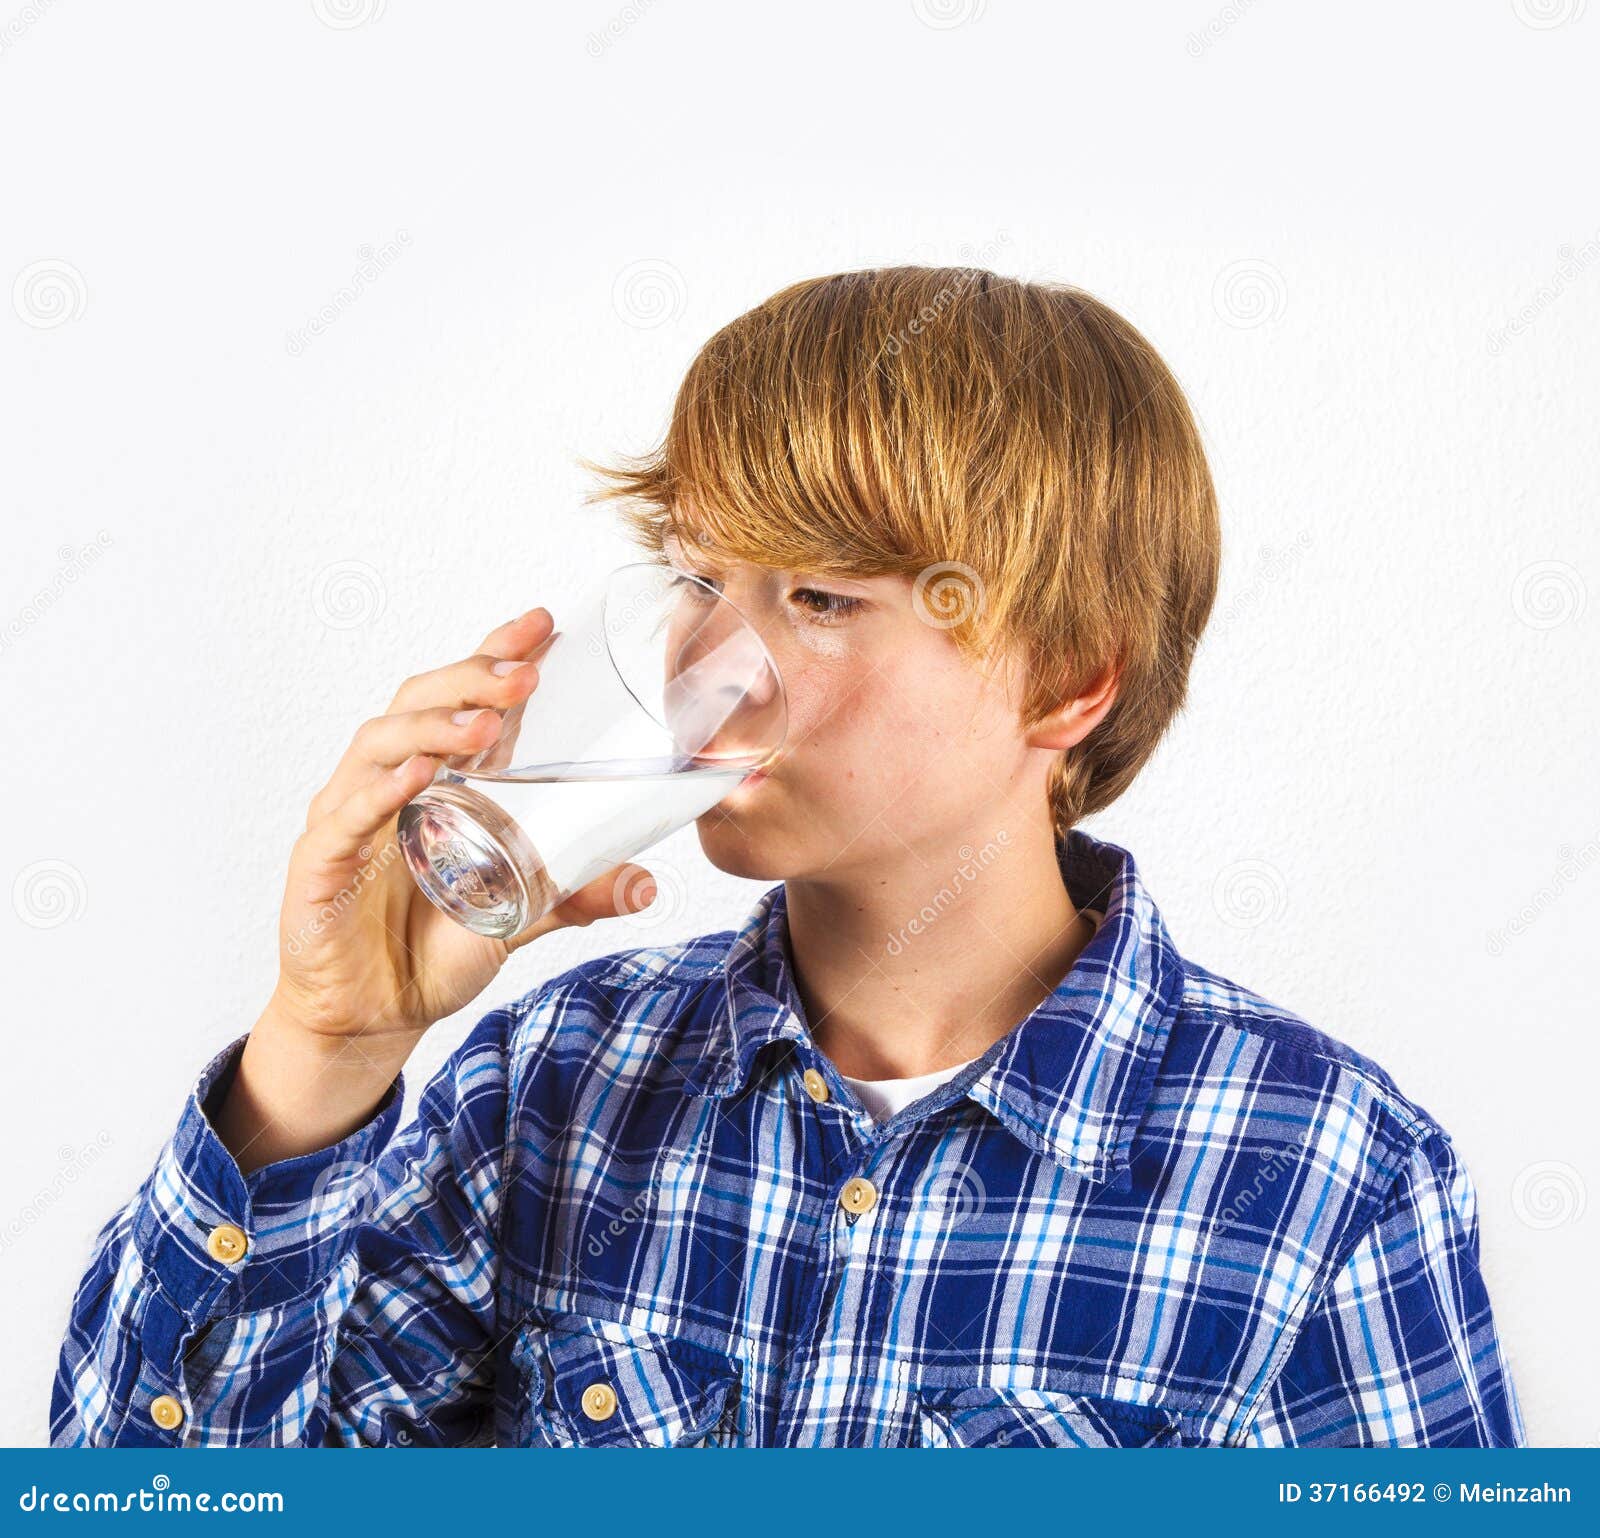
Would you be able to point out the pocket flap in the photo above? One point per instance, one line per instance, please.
(995, 1417)
(592, 1383)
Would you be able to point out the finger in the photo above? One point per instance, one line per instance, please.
(516, 640)
(517, 637)
(470, 685)
(339, 836)
(385, 742)
(622, 889)
(480, 680)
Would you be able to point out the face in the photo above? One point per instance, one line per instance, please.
(898, 745)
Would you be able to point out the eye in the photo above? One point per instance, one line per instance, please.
(826, 606)
(690, 583)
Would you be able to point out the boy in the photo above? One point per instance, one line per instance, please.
(946, 1144)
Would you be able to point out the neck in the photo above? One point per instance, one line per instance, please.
(930, 962)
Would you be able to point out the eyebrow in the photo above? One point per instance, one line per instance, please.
(673, 546)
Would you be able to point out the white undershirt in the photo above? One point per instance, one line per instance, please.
(883, 1098)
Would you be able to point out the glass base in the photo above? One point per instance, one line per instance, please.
(474, 862)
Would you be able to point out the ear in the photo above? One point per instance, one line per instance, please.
(1072, 720)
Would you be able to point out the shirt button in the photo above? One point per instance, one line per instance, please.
(166, 1412)
(226, 1243)
(599, 1401)
(858, 1196)
(816, 1086)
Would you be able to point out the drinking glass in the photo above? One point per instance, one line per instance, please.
(655, 700)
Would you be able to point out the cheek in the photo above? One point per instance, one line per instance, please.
(864, 725)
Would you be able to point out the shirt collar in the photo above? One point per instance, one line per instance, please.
(1071, 1080)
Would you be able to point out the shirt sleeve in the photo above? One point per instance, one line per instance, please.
(361, 1312)
(1401, 1349)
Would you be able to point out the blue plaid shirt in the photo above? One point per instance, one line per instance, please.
(638, 1206)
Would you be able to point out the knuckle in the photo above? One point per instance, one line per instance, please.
(407, 691)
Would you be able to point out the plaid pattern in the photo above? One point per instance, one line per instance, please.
(1160, 1212)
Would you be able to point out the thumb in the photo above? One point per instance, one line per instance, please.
(622, 889)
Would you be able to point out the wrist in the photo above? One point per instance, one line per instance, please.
(295, 1091)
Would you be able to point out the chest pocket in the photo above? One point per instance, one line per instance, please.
(591, 1383)
(991, 1417)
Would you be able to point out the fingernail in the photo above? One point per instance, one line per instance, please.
(462, 717)
(509, 665)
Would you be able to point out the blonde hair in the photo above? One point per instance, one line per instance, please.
(1017, 446)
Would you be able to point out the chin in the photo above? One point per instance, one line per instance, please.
(742, 838)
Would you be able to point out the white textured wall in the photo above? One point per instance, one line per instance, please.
(1365, 238)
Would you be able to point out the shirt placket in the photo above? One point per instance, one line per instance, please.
(845, 1184)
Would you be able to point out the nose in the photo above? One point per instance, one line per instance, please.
(722, 680)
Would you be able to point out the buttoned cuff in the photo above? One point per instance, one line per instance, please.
(220, 1242)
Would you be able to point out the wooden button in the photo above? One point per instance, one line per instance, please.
(166, 1412)
(816, 1086)
(599, 1401)
(858, 1196)
(226, 1243)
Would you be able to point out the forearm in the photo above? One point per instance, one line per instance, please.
(295, 1092)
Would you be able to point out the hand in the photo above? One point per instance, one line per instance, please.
(362, 952)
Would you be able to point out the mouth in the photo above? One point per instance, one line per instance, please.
(756, 777)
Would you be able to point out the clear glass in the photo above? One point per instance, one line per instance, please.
(655, 700)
